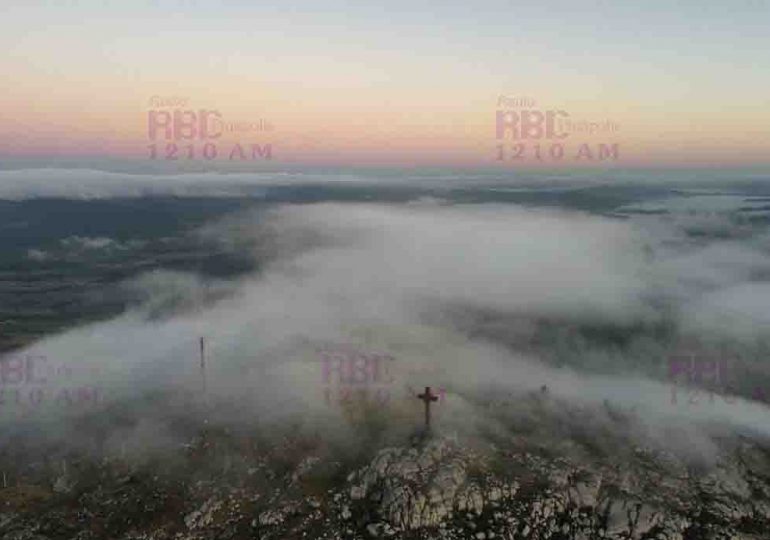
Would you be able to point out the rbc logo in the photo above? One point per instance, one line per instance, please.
(529, 124)
(182, 124)
(355, 368)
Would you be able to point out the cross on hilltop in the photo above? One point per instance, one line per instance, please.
(427, 397)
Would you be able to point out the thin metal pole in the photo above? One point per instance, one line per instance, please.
(203, 367)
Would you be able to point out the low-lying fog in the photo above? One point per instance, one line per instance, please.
(484, 303)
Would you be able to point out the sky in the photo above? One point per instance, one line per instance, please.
(404, 83)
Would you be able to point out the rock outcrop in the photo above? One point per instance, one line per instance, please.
(435, 489)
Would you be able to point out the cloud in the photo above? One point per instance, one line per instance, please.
(393, 279)
(37, 255)
(83, 243)
(89, 184)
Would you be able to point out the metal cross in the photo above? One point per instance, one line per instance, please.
(427, 397)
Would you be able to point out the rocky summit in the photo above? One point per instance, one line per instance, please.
(222, 484)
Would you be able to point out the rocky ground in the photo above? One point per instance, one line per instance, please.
(231, 484)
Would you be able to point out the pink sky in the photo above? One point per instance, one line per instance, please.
(358, 89)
